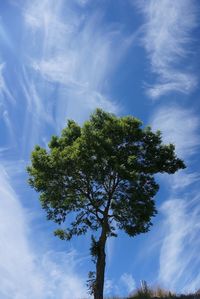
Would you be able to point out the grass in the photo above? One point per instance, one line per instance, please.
(149, 293)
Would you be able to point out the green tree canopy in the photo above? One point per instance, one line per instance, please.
(103, 175)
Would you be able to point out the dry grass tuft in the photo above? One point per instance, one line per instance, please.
(149, 293)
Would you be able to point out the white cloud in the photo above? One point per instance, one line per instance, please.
(179, 258)
(178, 126)
(77, 53)
(121, 287)
(83, 2)
(4, 90)
(38, 112)
(25, 274)
(179, 261)
(4, 36)
(129, 282)
(109, 286)
(167, 40)
(184, 85)
(183, 179)
(35, 105)
(6, 98)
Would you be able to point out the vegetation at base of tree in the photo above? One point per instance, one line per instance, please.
(102, 176)
(156, 293)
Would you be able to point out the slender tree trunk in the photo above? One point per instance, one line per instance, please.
(100, 266)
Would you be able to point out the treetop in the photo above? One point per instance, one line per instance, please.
(102, 172)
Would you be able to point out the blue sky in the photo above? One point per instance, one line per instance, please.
(62, 59)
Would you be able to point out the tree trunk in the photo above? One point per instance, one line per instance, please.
(100, 266)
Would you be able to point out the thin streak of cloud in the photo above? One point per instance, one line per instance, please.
(4, 36)
(167, 40)
(39, 277)
(83, 2)
(34, 105)
(178, 126)
(6, 98)
(179, 258)
(124, 285)
(180, 244)
(9, 125)
(4, 90)
(109, 286)
(183, 179)
(77, 53)
(129, 282)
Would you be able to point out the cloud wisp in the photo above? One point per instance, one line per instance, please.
(4, 90)
(77, 52)
(63, 71)
(178, 126)
(179, 257)
(25, 274)
(124, 285)
(6, 99)
(167, 41)
(179, 262)
(128, 281)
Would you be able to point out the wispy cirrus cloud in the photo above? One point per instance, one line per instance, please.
(184, 179)
(167, 40)
(25, 274)
(66, 62)
(77, 52)
(128, 281)
(178, 126)
(179, 257)
(6, 98)
(4, 90)
(179, 262)
(4, 35)
(124, 285)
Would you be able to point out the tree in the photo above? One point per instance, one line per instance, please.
(102, 174)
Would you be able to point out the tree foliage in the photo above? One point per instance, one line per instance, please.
(103, 175)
